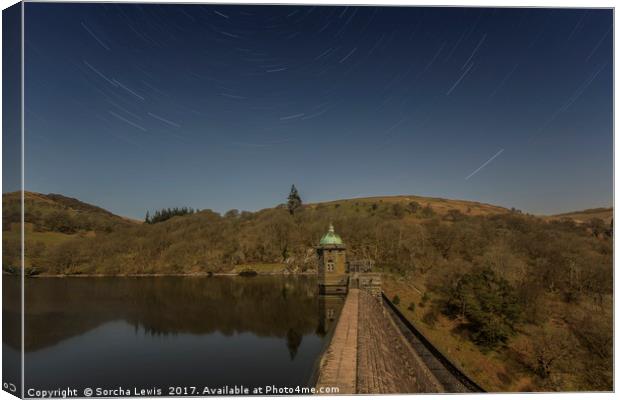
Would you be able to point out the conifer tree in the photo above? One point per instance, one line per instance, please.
(294, 200)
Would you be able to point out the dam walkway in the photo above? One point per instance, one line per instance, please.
(374, 349)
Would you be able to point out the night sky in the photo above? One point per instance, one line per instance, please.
(134, 107)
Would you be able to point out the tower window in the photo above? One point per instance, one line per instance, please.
(330, 266)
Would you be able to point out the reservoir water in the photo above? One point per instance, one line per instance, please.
(167, 332)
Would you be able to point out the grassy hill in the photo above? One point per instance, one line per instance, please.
(58, 213)
(585, 216)
(439, 205)
(51, 220)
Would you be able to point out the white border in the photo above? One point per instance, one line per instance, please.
(448, 3)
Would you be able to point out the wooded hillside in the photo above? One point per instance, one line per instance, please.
(523, 302)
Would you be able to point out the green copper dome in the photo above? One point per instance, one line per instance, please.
(330, 237)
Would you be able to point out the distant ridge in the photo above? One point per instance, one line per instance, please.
(439, 205)
(42, 210)
(582, 216)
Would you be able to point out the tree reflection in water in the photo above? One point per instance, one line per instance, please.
(60, 308)
(170, 330)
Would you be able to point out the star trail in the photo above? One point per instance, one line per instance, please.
(137, 106)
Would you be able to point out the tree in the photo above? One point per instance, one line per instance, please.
(294, 201)
(167, 213)
(595, 334)
(61, 221)
(547, 348)
(489, 304)
(414, 206)
(428, 212)
(234, 213)
(293, 340)
(398, 210)
(597, 226)
(454, 215)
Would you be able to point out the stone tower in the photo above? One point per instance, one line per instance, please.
(333, 277)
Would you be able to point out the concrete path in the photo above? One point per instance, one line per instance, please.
(339, 363)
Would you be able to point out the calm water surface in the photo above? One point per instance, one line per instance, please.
(161, 332)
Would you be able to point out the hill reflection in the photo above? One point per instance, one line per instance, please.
(272, 306)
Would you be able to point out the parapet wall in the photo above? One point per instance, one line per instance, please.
(386, 361)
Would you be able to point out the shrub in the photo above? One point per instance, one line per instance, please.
(430, 318)
(414, 206)
(424, 300)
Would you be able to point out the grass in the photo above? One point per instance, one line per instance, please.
(47, 238)
(605, 214)
(492, 370)
(439, 205)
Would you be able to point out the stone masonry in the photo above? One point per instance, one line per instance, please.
(369, 355)
(387, 363)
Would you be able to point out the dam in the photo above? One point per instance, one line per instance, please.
(374, 349)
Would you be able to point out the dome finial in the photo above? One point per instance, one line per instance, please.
(331, 237)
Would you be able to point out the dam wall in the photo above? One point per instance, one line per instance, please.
(374, 350)
(387, 363)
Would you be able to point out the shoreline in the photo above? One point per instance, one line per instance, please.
(192, 275)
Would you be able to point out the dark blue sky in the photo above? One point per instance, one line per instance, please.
(135, 107)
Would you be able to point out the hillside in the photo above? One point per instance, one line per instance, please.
(580, 217)
(439, 205)
(67, 236)
(58, 213)
(50, 220)
(521, 303)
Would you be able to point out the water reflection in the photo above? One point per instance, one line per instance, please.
(11, 331)
(172, 331)
(329, 310)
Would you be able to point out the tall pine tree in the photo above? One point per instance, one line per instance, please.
(294, 201)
